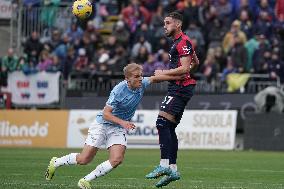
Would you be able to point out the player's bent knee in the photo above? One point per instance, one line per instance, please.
(83, 160)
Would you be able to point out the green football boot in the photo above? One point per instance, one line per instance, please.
(83, 184)
(158, 171)
(50, 169)
(168, 178)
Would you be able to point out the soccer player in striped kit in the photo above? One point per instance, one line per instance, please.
(182, 59)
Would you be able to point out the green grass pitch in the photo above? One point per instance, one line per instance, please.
(24, 169)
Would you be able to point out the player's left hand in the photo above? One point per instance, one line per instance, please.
(128, 125)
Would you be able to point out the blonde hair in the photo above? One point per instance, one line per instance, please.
(130, 68)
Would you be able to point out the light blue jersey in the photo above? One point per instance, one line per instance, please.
(124, 101)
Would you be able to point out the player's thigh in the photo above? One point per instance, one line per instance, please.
(173, 105)
(96, 135)
(115, 135)
(116, 152)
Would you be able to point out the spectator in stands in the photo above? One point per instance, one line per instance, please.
(121, 33)
(68, 63)
(216, 34)
(157, 23)
(207, 13)
(49, 11)
(54, 40)
(238, 54)
(161, 44)
(141, 43)
(224, 10)
(61, 50)
(149, 66)
(45, 61)
(264, 7)
(23, 64)
(110, 45)
(276, 67)
(74, 32)
(86, 44)
(246, 23)
(122, 4)
(151, 5)
(142, 55)
(55, 65)
(33, 47)
(264, 24)
(118, 61)
(239, 5)
(82, 62)
(220, 59)
(228, 69)
(163, 60)
(102, 56)
(209, 69)
(94, 35)
(171, 6)
(251, 46)
(259, 54)
(135, 14)
(235, 30)
(190, 13)
(9, 63)
(262, 64)
(144, 30)
(194, 32)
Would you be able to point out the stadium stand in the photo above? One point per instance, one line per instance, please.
(90, 55)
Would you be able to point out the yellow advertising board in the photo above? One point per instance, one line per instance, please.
(33, 128)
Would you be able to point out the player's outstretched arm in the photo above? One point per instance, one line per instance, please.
(183, 69)
(108, 116)
(164, 77)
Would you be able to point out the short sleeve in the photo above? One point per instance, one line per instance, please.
(184, 48)
(145, 82)
(112, 100)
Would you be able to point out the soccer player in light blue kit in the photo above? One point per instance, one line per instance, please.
(110, 126)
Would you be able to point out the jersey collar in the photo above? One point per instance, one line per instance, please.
(178, 36)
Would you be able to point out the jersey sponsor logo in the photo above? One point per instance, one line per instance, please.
(186, 49)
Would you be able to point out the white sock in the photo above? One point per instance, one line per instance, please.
(164, 162)
(174, 167)
(100, 170)
(69, 159)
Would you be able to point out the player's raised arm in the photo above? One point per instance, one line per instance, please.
(165, 77)
(183, 69)
(108, 116)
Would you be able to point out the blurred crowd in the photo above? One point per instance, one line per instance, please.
(229, 36)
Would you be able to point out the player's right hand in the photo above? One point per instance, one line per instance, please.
(128, 125)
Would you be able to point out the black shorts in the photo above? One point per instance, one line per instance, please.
(175, 102)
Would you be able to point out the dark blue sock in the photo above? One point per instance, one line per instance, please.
(163, 126)
(174, 146)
